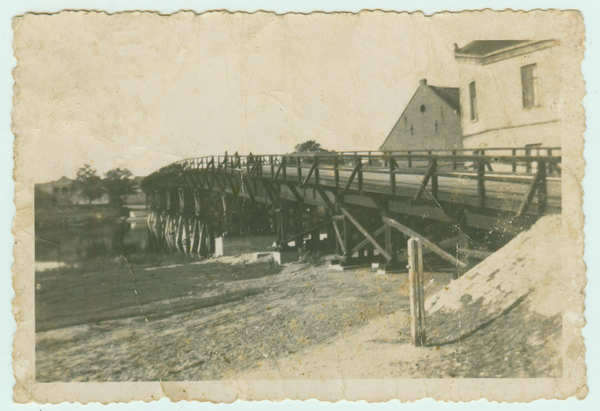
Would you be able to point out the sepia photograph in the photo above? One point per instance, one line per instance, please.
(296, 202)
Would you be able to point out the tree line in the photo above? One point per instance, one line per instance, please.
(117, 183)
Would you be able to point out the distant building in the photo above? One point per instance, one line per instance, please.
(510, 91)
(62, 189)
(430, 121)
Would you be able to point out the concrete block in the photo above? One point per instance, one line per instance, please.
(284, 257)
(242, 245)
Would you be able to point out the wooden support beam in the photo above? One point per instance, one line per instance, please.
(480, 183)
(206, 180)
(312, 169)
(217, 179)
(339, 236)
(425, 241)
(428, 176)
(325, 199)
(533, 187)
(246, 185)
(482, 255)
(382, 205)
(298, 197)
(366, 234)
(366, 241)
(392, 166)
(281, 166)
(336, 173)
(451, 242)
(355, 171)
(271, 193)
(257, 162)
(231, 185)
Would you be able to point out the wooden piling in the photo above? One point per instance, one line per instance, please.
(417, 293)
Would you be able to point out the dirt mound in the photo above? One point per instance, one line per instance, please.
(526, 268)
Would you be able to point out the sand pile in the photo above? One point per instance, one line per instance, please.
(526, 268)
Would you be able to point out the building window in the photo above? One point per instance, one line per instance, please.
(473, 100)
(436, 124)
(422, 108)
(528, 79)
(412, 130)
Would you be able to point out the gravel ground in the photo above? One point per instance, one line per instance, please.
(230, 319)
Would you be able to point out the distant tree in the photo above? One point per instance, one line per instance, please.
(118, 182)
(88, 183)
(310, 146)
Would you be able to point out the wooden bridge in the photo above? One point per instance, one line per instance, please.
(446, 198)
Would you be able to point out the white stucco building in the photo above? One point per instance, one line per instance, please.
(510, 93)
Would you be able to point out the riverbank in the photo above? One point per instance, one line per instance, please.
(232, 318)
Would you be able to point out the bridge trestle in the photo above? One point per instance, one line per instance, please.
(366, 203)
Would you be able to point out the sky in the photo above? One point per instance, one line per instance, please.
(141, 91)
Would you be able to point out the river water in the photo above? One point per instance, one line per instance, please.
(57, 247)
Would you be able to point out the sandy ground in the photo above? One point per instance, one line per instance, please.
(231, 319)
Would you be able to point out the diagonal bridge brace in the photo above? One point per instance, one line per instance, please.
(537, 185)
(430, 175)
(434, 248)
(366, 234)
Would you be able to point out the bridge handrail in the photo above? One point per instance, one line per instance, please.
(375, 159)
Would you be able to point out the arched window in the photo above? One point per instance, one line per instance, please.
(412, 130)
(422, 108)
(65, 191)
(56, 191)
(436, 125)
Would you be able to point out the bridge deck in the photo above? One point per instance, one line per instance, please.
(515, 180)
(501, 190)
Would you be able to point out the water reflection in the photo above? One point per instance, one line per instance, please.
(61, 246)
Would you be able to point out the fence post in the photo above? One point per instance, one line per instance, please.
(417, 293)
(480, 183)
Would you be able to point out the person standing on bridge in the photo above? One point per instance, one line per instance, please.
(237, 160)
(251, 158)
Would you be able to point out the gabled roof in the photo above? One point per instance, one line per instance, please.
(64, 180)
(489, 51)
(451, 95)
(482, 48)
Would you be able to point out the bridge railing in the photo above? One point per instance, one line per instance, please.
(497, 160)
(347, 171)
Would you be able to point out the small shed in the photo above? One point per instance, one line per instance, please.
(430, 121)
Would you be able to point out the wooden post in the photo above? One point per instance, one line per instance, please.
(360, 174)
(542, 191)
(392, 166)
(298, 226)
(480, 183)
(417, 293)
(336, 173)
(346, 246)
